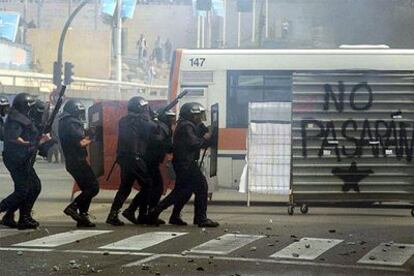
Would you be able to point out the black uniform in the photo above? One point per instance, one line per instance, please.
(155, 154)
(1, 129)
(71, 132)
(187, 144)
(17, 159)
(135, 133)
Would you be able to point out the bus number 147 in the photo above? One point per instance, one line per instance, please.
(197, 62)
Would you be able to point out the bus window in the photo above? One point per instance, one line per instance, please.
(254, 86)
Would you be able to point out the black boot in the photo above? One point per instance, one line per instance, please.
(130, 215)
(32, 220)
(8, 220)
(152, 217)
(25, 223)
(72, 211)
(160, 221)
(113, 218)
(85, 222)
(177, 221)
(207, 223)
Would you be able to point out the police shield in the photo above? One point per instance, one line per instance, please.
(215, 135)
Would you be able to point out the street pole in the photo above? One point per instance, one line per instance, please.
(209, 26)
(203, 32)
(63, 35)
(267, 19)
(198, 32)
(119, 44)
(239, 30)
(25, 20)
(224, 23)
(254, 21)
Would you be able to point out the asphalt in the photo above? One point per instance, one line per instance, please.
(358, 230)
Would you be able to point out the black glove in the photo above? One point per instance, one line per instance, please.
(202, 130)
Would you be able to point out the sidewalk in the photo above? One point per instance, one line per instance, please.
(57, 187)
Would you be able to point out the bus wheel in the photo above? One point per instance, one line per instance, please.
(291, 210)
(304, 209)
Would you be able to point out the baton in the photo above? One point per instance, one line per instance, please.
(202, 158)
(112, 169)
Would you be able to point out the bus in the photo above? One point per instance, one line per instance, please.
(235, 77)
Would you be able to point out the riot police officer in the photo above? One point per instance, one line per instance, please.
(20, 136)
(4, 109)
(155, 155)
(74, 142)
(135, 132)
(187, 143)
(8, 218)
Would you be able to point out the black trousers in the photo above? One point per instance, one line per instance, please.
(133, 169)
(190, 180)
(86, 180)
(27, 187)
(149, 198)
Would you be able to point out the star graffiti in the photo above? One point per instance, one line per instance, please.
(351, 176)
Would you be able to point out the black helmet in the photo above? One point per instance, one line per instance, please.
(4, 105)
(23, 102)
(188, 110)
(76, 109)
(165, 116)
(137, 104)
(36, 112)
(40, 106)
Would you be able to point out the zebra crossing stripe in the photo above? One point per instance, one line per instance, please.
(395, 254)
(143, 241)
(306, 249)
(225, 244)
(62, 238)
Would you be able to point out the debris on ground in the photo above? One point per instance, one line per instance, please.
(332, 231)
(145, 267)
(56, 268)
(200, 268)
(296, 255)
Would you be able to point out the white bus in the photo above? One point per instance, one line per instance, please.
(235, 77)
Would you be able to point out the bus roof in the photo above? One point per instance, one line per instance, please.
(296, 59)
(343, 51)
